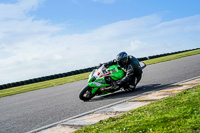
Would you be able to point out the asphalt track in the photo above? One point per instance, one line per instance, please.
(28, 111)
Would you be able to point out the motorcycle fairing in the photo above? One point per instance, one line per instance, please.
(97, 77)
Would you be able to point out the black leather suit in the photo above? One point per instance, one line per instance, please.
(133, 72)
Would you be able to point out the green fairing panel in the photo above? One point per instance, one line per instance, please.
(99, 83)
(90, 79)
(94, 90)
(118, 74)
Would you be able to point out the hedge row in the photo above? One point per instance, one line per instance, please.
(165, 54)
(45, 78)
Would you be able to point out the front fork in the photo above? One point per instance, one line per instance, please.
(94, 90)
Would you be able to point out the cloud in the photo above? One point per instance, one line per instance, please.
(23, 41)
(105, 1)
(136, 44)
(18, 10)
(16, 23)
(32, 48)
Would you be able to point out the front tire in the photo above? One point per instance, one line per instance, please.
(86, 93)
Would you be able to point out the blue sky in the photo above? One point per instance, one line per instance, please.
(80, 16)
(44, 37)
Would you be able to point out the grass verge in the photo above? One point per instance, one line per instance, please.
(41, 85)
(59, 81)
(179, 113)
(172, 57)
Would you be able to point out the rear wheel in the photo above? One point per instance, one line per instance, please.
(86, 93)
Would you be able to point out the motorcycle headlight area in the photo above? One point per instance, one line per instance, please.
(91, 74)
(97, 83)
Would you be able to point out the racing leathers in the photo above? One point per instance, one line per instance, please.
(133, 73)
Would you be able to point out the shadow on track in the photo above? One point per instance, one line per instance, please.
(123, 94)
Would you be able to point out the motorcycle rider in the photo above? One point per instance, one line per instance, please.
(132, 69)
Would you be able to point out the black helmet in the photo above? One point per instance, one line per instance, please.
(122, 58)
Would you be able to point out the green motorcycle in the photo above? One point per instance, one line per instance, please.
(101, 81)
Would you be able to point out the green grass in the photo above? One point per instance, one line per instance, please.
(175, 114)
(172, 57)
(41, 85)
(59, 81)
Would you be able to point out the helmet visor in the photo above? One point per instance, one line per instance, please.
(123, 62)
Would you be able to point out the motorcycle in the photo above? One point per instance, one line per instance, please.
(101, 81)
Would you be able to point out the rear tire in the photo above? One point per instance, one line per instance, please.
(86, 93)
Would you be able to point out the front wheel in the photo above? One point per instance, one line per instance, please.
(86, 93)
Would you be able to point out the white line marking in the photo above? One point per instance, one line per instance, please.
(92, 111)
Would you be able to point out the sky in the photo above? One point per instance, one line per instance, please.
(44, 37)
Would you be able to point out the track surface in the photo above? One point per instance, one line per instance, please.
(28, 111)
